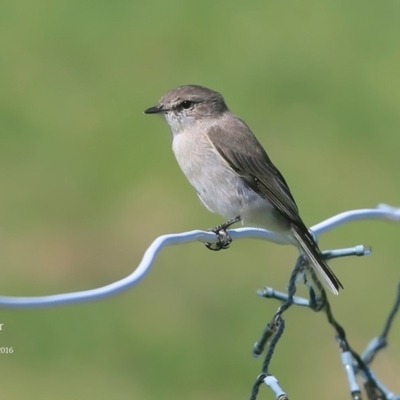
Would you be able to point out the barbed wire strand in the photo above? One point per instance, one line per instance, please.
(352, 362)
(380, 341)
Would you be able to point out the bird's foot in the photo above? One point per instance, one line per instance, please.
(223, 238)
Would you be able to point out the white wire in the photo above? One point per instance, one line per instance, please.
(381, 212)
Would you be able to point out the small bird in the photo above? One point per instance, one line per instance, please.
(231, 172)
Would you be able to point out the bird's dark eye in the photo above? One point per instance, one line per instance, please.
(186, 104)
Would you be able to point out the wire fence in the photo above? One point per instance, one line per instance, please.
(354, 364)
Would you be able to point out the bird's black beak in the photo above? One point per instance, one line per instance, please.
(155, 110)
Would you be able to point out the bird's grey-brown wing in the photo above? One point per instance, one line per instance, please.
(242, 151)
(245, 155)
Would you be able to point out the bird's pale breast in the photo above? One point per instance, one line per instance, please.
(220, 189)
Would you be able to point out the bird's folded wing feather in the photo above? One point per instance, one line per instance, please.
(247, 158)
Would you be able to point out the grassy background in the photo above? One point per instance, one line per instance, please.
(87, 182)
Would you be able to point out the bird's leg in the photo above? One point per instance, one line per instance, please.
(224, 240)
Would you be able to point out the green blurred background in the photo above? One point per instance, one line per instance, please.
(88, 181)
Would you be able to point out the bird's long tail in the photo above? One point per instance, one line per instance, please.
(313, 253)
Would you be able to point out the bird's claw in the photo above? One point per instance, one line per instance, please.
(223, 240)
